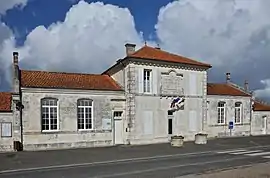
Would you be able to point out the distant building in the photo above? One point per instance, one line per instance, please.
(144, 98)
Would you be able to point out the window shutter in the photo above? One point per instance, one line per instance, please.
(148, 122)
(193, 84)
(154, 81)
(192, 121)
(140, 80)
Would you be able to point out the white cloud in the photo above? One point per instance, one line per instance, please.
(6, 34)
(233, 35)
(265, 92)
(9, 4)
(90, 39)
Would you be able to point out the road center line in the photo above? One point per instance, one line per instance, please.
(117, 161)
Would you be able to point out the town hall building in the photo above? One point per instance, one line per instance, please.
(146, 97)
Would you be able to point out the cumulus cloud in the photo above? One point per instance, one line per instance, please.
(232, 35)
(9, 4)
(6, 35)
(90, 39)
(265, 92)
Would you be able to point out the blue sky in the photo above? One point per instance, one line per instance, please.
(89, 36)
(46, 12)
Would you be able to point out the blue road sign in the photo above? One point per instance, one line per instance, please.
(231, 125)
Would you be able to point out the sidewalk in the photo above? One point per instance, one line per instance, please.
(20, 160)
(252, 171)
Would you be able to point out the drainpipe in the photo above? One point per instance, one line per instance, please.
(251, 115)
(20, 109)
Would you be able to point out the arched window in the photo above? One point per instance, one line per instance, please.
(238, 112)
(85, 114)
(221, 112)
(49, 114)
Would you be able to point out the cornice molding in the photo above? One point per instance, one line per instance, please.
(166, 64)
(72, 91)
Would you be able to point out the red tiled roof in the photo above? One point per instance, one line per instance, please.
(224, 89)
(260, 106)
(5, 102)
(43, 79)
(151, 53)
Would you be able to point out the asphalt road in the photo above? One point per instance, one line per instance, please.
(160, 160)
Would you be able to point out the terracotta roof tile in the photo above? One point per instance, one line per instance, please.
(224, 89)
(43, 79)
(258, 106)
(5, 101)
(148, 52)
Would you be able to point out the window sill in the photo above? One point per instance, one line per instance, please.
(218, 125)
(50, 131)
(86, 130)
(240, 124)
(146, 93)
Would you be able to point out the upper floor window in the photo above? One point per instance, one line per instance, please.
(147, 80)
(49, 114)
(85, 114)
(238, 112)
(221, 112)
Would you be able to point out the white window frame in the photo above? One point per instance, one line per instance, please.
(84, 107)
(3, 134)
(238, 117)
(49, 113)
(221, 118)
(147, 83)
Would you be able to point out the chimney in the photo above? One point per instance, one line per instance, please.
(16, 73)
(15, 58)
(228, 77)
(130, 48)
(246, 85)
(157, 46)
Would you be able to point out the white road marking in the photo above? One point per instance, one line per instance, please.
(258, 154)
(267, 157)
(245, 152)
(168, 167)
(63, 166)
(230, 151)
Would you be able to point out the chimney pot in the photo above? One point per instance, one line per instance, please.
(246, 85)
(15, 58)
(228, 77)
(130, 48)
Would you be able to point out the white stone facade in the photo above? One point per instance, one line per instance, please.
(260, 123)
(139, 114)
(241, 126)
(6, 140)
(151, 107)
(68, 135)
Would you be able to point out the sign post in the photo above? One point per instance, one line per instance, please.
(231, 127)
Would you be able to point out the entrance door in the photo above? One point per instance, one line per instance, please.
(118, 127)
(170, 123)
(264, 125)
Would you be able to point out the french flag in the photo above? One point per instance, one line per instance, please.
(176, 102)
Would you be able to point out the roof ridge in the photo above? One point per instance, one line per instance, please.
(260, 101)
(178, 55)
(5, 92)
(169, 53)
(225, 89)
(55, 72)
(239, 88)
